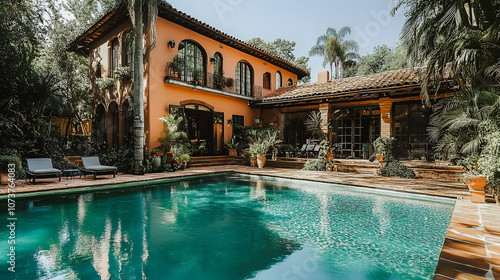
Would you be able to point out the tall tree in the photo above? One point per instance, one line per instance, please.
(143, 15)
(335, 49)
(380, 60)
(283, 49)
(459, 34)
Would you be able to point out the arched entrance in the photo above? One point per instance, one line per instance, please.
(100, 123)
(204, 126)
(113, 122)
(199, 122)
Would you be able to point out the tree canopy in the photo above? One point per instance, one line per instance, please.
(284, 49)
(336, 50)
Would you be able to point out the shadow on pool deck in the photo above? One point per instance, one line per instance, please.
(472, 246)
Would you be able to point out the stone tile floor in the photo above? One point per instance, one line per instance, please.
(471, 249)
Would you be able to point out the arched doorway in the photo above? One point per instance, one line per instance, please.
(113, 123)
(100, 124)
(199, 122)
(127, 120)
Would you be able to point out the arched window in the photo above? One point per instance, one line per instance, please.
(193, 57)
(128, 49)
(115, 54)
(267, 80)
(218, 71)
(218, 77)
(278, 80)
(289, 82)
(244, 82)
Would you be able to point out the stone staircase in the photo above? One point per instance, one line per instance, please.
(201, 161)
(425, 170)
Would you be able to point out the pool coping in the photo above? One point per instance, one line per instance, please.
(471, 249)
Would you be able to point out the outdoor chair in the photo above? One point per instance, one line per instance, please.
(316, 149)
(310, 150)
(91, 165)
(39, 168)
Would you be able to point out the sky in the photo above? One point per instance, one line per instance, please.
(300, 21)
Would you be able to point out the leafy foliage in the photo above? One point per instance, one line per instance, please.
(384, 146)
(462, 35)
(380, 60)
(175, 139)
(283, 49)
(5, 160)
(335, 49)
(315, 164)
(105, 83)
(396, 169)
(313, 124)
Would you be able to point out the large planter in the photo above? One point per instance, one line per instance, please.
(380, 160)
(476, 183)
(253, 161)
(4, 178)
(233, 152)
(476, 188)
(261, 161)
(156, 163)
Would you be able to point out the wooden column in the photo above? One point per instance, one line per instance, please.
(386, 116)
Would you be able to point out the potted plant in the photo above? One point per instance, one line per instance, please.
(183, 160)
(229, 82)
(178, 65)
(253, 155)
(383, 149)
(261, 144)
(232, 146)
(17, 169)
(175, 139)
(198, 76)
(219, 80)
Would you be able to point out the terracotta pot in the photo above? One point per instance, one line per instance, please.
(4, 178)
(253, 161)
(380, 160)
(261, 161)
(233, 152)
(476, 183)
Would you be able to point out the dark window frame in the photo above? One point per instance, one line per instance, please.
(244, 78)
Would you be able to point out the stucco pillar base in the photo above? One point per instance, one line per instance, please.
(385, 116)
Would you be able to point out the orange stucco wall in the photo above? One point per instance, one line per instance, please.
(159, 95)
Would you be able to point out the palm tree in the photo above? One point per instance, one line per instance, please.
(143, 15)
(335, 49)
(459, 124)
(459, 35)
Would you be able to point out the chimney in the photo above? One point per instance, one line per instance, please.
(323, 76)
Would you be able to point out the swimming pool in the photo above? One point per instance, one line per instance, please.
(229, 227)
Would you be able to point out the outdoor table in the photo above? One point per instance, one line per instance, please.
(71, 173)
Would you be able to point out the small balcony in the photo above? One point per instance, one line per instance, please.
(209, 81)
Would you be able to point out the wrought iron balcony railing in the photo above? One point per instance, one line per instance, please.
(209, 81)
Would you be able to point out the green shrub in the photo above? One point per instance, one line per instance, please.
(315, 164)
(5, 160)
(384, 146)
(396, 169)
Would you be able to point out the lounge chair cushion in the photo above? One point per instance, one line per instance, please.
(39, 163)
(101, 168)
(46, 171)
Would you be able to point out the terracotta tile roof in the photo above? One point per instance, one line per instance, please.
(400, 77)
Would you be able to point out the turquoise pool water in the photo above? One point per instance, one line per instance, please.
(228, 227)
